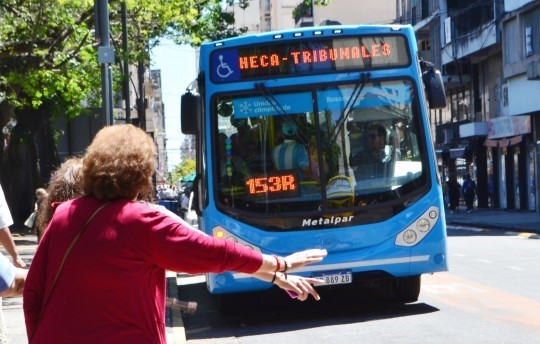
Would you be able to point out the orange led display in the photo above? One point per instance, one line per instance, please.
(347, 53)
(321, 54)
(285, 185)
(308, 56)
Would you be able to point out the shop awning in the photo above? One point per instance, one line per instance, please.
(516, 139)
(491, 143)
(189, 178)
(505, 142)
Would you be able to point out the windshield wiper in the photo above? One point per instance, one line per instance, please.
(265, 92)
(358, 88)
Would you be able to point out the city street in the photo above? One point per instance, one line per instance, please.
(490, 295)
(388, 152)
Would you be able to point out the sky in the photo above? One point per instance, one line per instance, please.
(178, 69)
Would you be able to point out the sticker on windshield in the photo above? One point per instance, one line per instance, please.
(387, 95)
(289, 103)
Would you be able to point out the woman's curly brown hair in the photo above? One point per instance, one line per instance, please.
(119, 163)
(64, 185)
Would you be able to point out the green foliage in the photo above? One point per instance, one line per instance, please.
(203, 21)
(48, 50)
(46, 55)
(49, 68)
(186, 167)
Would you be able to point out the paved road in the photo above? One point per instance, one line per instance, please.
(524, 223)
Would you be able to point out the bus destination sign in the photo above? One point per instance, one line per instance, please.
(314, 56)
(274, 185)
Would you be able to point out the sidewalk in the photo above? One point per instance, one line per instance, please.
(500, 219)
(26, 242)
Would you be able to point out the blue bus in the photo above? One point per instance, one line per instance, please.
(319, 138)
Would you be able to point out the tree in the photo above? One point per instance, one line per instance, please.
(186, 167)
(45, 57)
(49, 69)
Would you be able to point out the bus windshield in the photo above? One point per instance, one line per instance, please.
(317, 149)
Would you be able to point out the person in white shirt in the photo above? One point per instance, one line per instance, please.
(12, 276)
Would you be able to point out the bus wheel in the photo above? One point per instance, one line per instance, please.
(407, 289)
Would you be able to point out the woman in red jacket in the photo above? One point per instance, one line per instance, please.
(112, 284)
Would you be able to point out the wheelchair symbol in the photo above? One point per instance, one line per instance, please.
(223, 69)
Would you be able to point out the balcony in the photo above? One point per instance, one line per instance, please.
(472, 29)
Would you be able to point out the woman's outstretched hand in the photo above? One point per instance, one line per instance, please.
(297, 286)
(302, 258)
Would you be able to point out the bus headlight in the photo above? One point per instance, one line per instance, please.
(423, 225)
(417, 230)
(221, 233)
(409, 236)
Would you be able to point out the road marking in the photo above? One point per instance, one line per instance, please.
(486, 302)
(519, 235)
(451, 288)
(528, 235)
(487, 261)
(515, 268)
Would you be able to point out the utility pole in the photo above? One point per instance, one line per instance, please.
(126, 62)
(141, 104)
(105, 58)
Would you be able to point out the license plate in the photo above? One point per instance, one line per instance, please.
(334, 277)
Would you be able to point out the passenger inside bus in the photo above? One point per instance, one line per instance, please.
(247, 144)
(314, 164)
(403, 141)
(291, 155)
(241, 140)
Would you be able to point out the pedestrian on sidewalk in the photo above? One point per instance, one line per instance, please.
(65, 184)
(469, 192)
(9, 244)
(184, 203)
(125, 251)
(41, 195)
(454, 192)
(11, 279)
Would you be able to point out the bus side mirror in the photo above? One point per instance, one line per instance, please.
(434, 85)
(190, 110)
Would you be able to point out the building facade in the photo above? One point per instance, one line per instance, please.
(489, 55)
(271, 15)
(521, 73)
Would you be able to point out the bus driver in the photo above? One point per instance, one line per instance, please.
(374, 162)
